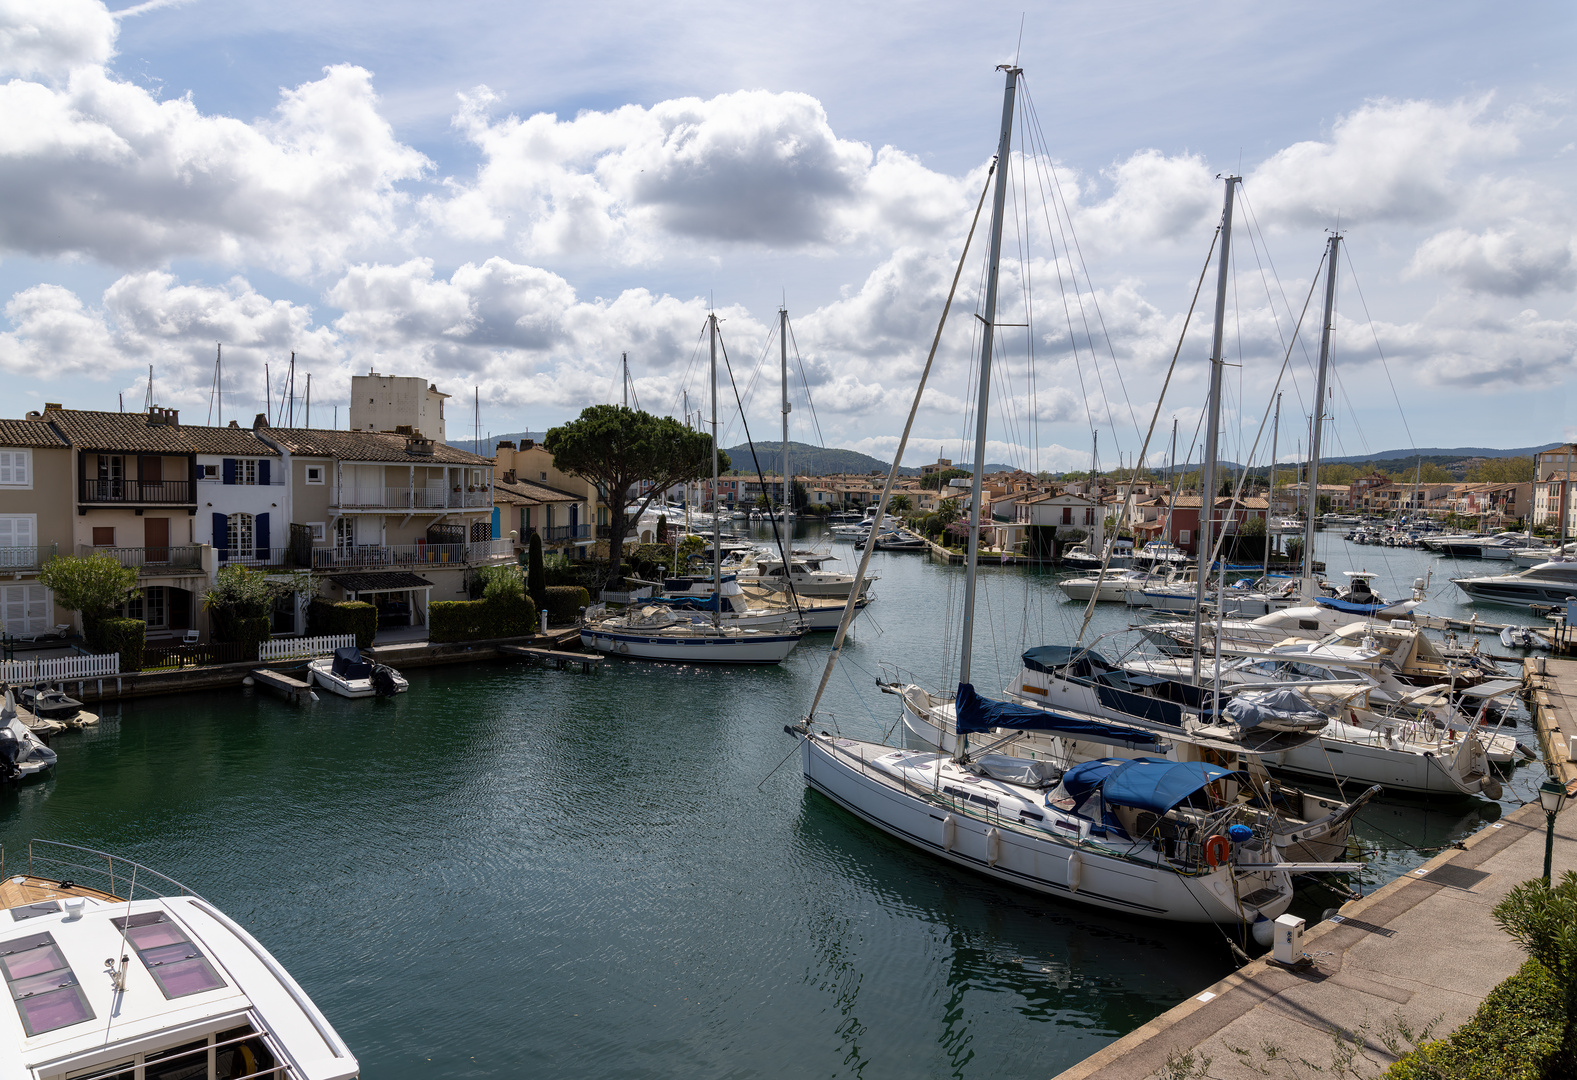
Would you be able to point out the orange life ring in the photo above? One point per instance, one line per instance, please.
(1218, 849)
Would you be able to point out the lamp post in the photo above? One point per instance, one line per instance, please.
(1552, 796)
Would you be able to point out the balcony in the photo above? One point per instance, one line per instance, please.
(420, 499)
(559, 534)
(259, 557)
(419, 554)
(147, 560)
(136, 492)
(26, 558)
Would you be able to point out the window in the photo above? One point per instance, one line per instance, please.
(103, 536)
(42, 985)
(16, 468)
(314, 474)
(240, 535)
(175, 962)
(544, 477)
(17, 531)
(149, 607)
(210, 472)
(246, 471)
(317, 528)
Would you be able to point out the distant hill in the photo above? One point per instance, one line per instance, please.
(1441, 456)
(812, 460)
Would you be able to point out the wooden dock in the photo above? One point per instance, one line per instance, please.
(589, 662)
(292, 690)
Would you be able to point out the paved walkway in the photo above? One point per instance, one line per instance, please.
(1555, 710)
(1422, 947)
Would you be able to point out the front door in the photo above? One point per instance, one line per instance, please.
(156, 539)
(24, 609)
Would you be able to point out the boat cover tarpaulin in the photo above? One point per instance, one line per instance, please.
(1152, 784)
(974, 713)
(348, 664)
(1250, 710)
(1349, 607)
(688, 603)
(1048, 658)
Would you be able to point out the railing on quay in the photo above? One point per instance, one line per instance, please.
(199, 654)
(60, 668)
(306, 648)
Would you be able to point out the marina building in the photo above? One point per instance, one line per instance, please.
(389, 402)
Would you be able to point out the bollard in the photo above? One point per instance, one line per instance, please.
(544, 622)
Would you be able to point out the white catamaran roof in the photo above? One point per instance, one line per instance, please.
(191, 972)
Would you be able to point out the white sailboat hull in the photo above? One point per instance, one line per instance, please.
(1069, 871)
(741, 647)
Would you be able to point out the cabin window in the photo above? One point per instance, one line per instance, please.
(46, 992)
(235, 1053)
(177, 965)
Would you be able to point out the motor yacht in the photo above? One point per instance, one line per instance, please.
(1548, 583)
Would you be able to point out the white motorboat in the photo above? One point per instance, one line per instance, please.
(1079, 557)
(348, 674)
(804, 578)
(186, 992)
(659, 633)
(1542, 585)
(1500, 547)
(1532, 556)
(23, 755)
(1113, 587)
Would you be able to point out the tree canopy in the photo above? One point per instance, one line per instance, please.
(617, 448)
(94, 584)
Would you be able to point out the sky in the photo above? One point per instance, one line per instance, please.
(507, 199)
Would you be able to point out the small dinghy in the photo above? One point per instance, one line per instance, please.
(22, 753)
(53, 706)
(347, 674)
(1521, 637)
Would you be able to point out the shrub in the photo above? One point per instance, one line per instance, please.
(123, 636)
(475, 620)
(346, 617)
(94, 585)
(565, 602)
(536, 574)
(1515, 1035)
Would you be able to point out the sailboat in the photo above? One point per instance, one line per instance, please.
(662, 632)
(1142, 835)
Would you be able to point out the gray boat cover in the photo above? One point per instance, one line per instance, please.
(1283, 709)
(1018, 770)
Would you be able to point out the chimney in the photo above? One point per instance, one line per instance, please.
(260, 421)
(509, 476)
(404, 429)
(161, 417)
(505, 444)
(35, 416)
(527, 444)
(54, 406)
(234, 424)
(416, 443)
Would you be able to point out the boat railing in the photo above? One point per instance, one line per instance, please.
(48, 858)
(285, 1069)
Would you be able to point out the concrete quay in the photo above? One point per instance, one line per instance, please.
(1421, 949)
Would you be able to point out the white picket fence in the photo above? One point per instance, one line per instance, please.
(60, 668)
(304, 648)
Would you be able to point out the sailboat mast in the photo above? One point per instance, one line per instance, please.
(1207, 485)
(1270, 488)
(788, 504)
(717, 528)
(1319, 409)
(998, 198)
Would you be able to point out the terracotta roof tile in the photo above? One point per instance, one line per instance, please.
(87, 429)
(29, 433)
(364, 446)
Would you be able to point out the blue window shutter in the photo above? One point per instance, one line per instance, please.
(260, 533)
(222, 529)
(497, 523)
(262, 470)
(229, 471)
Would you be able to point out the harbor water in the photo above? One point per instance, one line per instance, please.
(512, 870)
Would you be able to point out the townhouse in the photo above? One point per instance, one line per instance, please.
(35, 523)
(577, 520)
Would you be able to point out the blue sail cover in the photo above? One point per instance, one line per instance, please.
(687, 603)
(1153, 784)
(974, 713)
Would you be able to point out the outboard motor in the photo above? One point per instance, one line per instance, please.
(9, 749)
(383, 680)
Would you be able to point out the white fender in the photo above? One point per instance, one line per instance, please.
(1075, 871)
(993, 846)
(949, 832)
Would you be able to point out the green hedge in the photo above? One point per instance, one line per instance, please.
(248, 629)
(124, 636)
(346, 617)
(474, 620)
(1515, 1035)
(565, 602)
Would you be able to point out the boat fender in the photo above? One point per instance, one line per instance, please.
(1491, 787)
(1264, 931)
(1218, 849)
(993, 846)
(949, 832)
(1075, 871)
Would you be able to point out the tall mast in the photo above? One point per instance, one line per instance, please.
(307, 423)
(998, 198)
(1207, 484)
(1319, 410)
(788, 504)
(626, 361)
(717, 529)
(219, 381)
(1171, 485)
(1270, 488)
